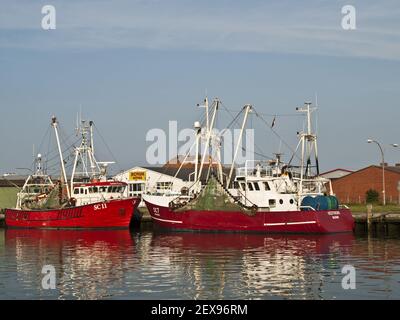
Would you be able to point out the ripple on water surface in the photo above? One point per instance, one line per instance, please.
(151, 265)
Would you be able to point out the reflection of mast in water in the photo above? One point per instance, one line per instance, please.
(87, 263)
(209, 269)
(298, 266)
(252, 266)
(188, 256)
(276, 270)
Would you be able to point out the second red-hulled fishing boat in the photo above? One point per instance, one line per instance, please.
(264, 196)
(327, 221)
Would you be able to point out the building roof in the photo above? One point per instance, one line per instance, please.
(12, 181)
(337, 169)
(187, 172)
(394, 169)
(336, 173)
(184, 174)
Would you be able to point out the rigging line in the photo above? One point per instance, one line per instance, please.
(65, 140)
(32, 165)
(108, 148)
(274, 115)
(276, 134)
(165, 168)
(235, 120)
(55, 162)
(55, 150)
(259, 153)
(297, 148)
(63, 151)
(44, 137)
(48, 151)
(256, 146)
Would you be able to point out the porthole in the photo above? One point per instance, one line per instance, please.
(281, 201)
(291, 201)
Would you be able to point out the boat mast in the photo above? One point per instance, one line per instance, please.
(219, 159)
(207, 114)
(209, 133)
(308, 142)
(85, 152)
(197, 127)
(91, 150)
(248, 108)
(55, 124)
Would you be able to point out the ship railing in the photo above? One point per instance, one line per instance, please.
(307, 207)
(253, 172)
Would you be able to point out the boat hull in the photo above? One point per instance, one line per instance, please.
(110, 214)
(333, 221)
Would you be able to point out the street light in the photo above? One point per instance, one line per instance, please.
(383, 169)
(396, 145)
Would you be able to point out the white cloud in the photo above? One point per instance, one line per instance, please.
(307, 27)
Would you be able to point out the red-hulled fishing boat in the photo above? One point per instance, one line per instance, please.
(106, 214)
(270, 197)
(92, 202)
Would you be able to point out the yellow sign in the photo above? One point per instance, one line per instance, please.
(137, 176)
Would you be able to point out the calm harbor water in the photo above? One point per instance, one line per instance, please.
(154, 265)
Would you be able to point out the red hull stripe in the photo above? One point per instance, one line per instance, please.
(165, 220)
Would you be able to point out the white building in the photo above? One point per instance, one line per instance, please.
(155, 180)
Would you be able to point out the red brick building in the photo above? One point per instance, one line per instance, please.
(353, 187)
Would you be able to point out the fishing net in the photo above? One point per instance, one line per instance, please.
(50, 200)
(213, 197)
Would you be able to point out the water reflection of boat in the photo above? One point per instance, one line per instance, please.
(87, 263)
(312, 244)
(265, 265)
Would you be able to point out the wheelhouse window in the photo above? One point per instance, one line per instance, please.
(243, 186)
(272, 203)
(250, 185)
(256, 186)
(266, 186)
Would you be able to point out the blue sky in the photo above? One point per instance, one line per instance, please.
(134, 65)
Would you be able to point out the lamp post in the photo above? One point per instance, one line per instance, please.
(396, 145)
(383, 169)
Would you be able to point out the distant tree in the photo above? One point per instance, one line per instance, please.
(372, 196)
